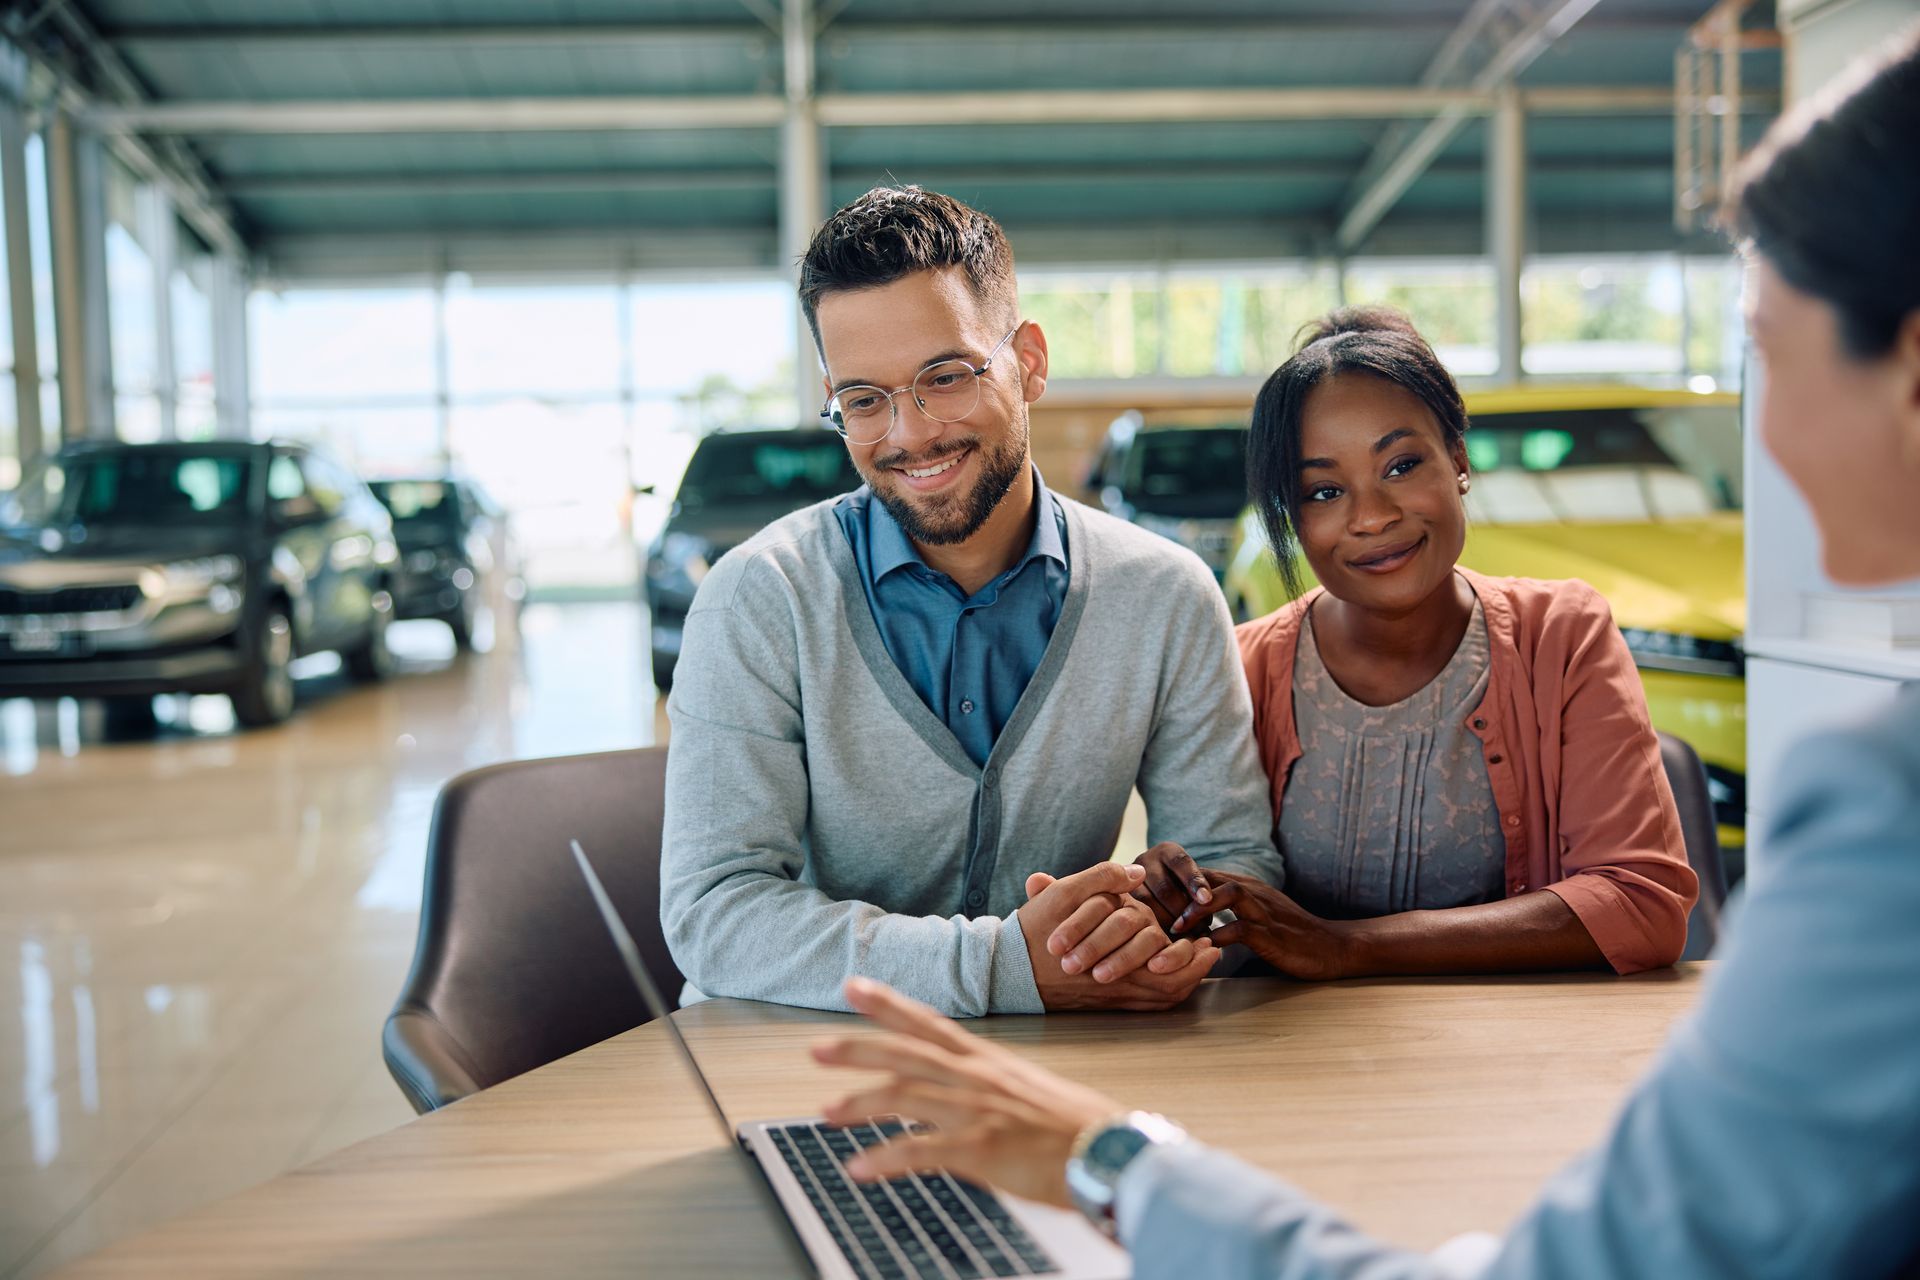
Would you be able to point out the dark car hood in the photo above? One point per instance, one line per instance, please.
(728, 526)
(428, 537)
(1224, 505)
(133, 543)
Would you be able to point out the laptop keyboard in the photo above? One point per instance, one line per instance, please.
(913, 1228)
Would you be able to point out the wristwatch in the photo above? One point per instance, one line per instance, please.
(1102, 1153)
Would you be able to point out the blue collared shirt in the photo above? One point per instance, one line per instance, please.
(969, 657)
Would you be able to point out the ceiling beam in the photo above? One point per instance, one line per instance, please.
(614, 113)
(945, 178)
(1394, 175)
(305, 36)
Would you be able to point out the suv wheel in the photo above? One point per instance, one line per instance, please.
(125, 718)
(460, 621)
(265, 695)
(372, 660)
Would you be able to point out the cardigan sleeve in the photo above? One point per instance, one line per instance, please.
(1623, 854)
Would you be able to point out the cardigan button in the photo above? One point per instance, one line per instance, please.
(1479, 723)
(1513, 819)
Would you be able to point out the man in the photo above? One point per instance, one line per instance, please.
(899, 714)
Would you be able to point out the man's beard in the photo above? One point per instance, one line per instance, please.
(946, 519)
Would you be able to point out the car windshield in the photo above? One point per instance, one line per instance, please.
(1664, 463)
(754, 470)
(420, 502)
(161, 487)
(1180, 470)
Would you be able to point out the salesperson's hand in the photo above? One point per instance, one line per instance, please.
(1000, 1118)
(1279, 930)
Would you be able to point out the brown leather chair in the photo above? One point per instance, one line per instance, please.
(513, 967)
(1688, 778)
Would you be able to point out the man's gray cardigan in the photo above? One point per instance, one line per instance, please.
(821, 822)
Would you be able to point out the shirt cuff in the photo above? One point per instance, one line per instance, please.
(1010, 986)
(1224, 1180)
(1131, 1193)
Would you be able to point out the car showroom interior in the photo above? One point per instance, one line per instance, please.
(421, 418)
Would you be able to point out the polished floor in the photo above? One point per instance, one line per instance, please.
(201, 930)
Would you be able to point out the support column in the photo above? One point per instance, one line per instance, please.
(232, 377)
(76, 196)
(803, 190)
(26, 346)
(1507, 225)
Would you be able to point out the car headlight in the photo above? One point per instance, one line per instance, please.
(422, 561)
(1671, 651)
(184, 577)
(684, 555)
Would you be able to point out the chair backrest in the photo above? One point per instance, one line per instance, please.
(1688, 778)
(513, 967)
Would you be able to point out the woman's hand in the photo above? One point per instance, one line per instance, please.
(1001, 1119)
(1279, 930)
(1175, 888)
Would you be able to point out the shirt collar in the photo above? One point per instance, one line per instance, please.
(889, 548)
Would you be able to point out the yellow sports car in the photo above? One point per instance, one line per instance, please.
(1636, 492)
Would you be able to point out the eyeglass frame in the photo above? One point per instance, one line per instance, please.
(893, 406)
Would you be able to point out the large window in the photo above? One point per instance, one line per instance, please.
(1666, 319)
(565, 399)
(132, 311)
(190, 298)
(1187, 323)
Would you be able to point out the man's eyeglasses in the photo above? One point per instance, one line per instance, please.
(945, 391)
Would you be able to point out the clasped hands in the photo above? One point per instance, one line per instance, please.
(1140, 936)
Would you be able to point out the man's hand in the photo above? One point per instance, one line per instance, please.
(1002, 1120)
(1175, 889)
(1279, 930)
(1121, 958)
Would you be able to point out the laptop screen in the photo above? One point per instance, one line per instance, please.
(650, 994)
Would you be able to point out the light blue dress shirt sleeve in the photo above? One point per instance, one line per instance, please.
(1778, 1133)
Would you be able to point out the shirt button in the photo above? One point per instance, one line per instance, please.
(966, 706)
(976, 898)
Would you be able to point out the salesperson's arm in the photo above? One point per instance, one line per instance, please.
(1775, 1136)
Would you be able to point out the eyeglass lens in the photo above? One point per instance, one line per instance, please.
(946, 392)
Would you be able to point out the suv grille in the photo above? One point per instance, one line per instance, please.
(104, 599)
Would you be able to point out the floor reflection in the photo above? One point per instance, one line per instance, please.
(209, 924)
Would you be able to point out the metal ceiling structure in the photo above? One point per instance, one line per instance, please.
(378, 136)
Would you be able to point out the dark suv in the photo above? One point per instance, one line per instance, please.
(456, 552)
(128, 570)
(736, 482)
(1187, 483)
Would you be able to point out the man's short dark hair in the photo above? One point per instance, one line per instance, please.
(893, 232)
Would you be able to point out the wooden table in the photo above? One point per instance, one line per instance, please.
(1419, 1107)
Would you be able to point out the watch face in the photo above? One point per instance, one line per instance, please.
(1111, 1149)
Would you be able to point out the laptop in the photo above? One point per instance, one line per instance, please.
(913, 1228)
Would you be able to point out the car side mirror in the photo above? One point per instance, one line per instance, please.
(646, 490)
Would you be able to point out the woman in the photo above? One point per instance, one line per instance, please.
(1464, 777)
(1779, 1132)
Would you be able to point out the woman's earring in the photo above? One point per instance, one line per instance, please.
(1465, 484)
